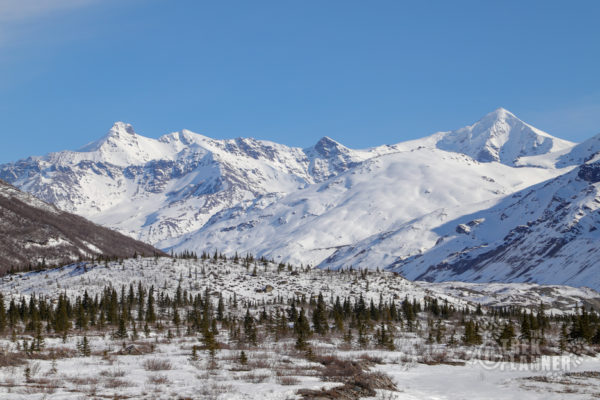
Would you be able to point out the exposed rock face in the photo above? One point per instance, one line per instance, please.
(590, 172)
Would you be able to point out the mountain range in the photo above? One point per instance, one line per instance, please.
(498, 200)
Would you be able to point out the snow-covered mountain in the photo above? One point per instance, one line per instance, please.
(159, 189)
(310, 224)
(34, 232)
(326, 205)
(500, 136)
(547, 233)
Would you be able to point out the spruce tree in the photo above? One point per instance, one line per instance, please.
(243, 358)
(507, 335)
(3, 316)
(319, 316)
(121, 332)
(150, 313)
(250, 328)
(302, 330)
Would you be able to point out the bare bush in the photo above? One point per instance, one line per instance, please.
(10, 359)
(114, 383)
(115, 373)
(372, 359)
(258, 364)
(357, 386)
(158, 379)
(156, 364)
(253, 377)
(213, 391)
(335, 368)
(81, 381)
(288, 380)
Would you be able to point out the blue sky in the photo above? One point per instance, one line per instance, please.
(362, 72)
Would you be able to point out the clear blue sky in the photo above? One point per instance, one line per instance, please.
(362, 72)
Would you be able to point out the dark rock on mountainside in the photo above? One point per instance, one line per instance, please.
(590, 172)
(36, 233)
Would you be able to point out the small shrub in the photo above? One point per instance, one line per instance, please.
(81, 381)
(156, 364)
(288, 380)
(115, 373)
(114, 383)
(253, 377)
(371, 358)
(335, 368)
(158, 379)
(11, 359)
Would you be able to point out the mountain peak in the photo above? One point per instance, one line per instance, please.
(121, 128)
(500, 113)
(497, 117)
(326, 147)
(502, 137)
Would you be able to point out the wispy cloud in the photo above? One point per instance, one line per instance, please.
(20, 10)
(18, 18)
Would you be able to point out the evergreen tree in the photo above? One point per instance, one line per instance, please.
(507, 335)
(471, 336)
(83, 347)
(3, 316)
(384, 337)
(525, 328)
(250, 328)
(319, 316)
(302, 330)
(61, 322)
(150, 313)
(564, 338)
(121, 332)
(243, 358)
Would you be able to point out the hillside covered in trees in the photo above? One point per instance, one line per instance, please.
(36, 235)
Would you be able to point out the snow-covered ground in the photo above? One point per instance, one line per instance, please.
(162, 366)
(504, 381)
(232, 278)
(166, 370)
(226, 277)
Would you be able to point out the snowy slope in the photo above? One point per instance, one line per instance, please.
(557, 299)
(231, 278)
(547, 233)
(226, 277)
(581, 153)
(310, 224)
